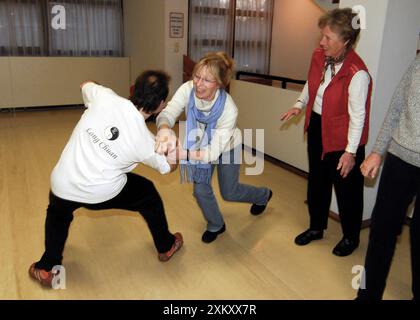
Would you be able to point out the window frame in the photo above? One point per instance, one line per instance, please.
(233, 27)
(45, 49)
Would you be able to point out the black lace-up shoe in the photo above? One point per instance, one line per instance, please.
(345, 247)
(209, 236)
(258, 209)
(309, 235)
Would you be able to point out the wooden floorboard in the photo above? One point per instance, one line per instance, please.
(110, 254)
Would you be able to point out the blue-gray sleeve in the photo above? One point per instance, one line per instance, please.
(393, 116)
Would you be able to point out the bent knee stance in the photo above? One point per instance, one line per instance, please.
(229, 194)
(202, 190)
(151, 200)
(60, 209)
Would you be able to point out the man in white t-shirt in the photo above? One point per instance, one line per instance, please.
(94, 170)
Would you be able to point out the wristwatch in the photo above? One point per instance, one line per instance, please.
(352, 154)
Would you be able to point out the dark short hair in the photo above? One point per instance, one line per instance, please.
(150, 89)
(341, 22)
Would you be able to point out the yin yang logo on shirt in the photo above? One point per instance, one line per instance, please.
(112, 133)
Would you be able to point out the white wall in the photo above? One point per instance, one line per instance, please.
(175, 48)
(147, 41)
(144, 32)
(326, 4)
(260, 108)
(6, 88)
(295, 35)
(53, 81)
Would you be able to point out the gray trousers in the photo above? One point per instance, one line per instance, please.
(230, 189)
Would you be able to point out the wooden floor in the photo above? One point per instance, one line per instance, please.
(110, 254)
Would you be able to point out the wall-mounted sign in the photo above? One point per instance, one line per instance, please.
(176, 25)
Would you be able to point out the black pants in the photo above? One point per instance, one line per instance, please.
(139, 194)
(323, 175)
(400, 182)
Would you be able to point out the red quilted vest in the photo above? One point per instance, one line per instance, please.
(335, 115)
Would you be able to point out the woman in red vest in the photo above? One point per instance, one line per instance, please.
(337, 100)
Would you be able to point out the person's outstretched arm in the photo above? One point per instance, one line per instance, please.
(298, 106)
(166, 137)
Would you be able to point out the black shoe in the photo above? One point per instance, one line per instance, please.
(257, 209)
(209, 236)
(309, 235)
(345, 247)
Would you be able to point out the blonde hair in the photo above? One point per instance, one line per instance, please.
(219, 64)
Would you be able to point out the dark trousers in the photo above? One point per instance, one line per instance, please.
(323, 175)
(139, 194)
(400, 182)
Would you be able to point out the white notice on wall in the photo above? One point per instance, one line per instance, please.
(176, 25)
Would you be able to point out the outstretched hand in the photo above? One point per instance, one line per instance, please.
(290, 114)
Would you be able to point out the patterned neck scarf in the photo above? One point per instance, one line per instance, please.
(331, 61)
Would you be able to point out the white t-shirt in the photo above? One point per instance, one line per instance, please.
(109, 140)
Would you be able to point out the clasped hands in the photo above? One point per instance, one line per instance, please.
(168, 144)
